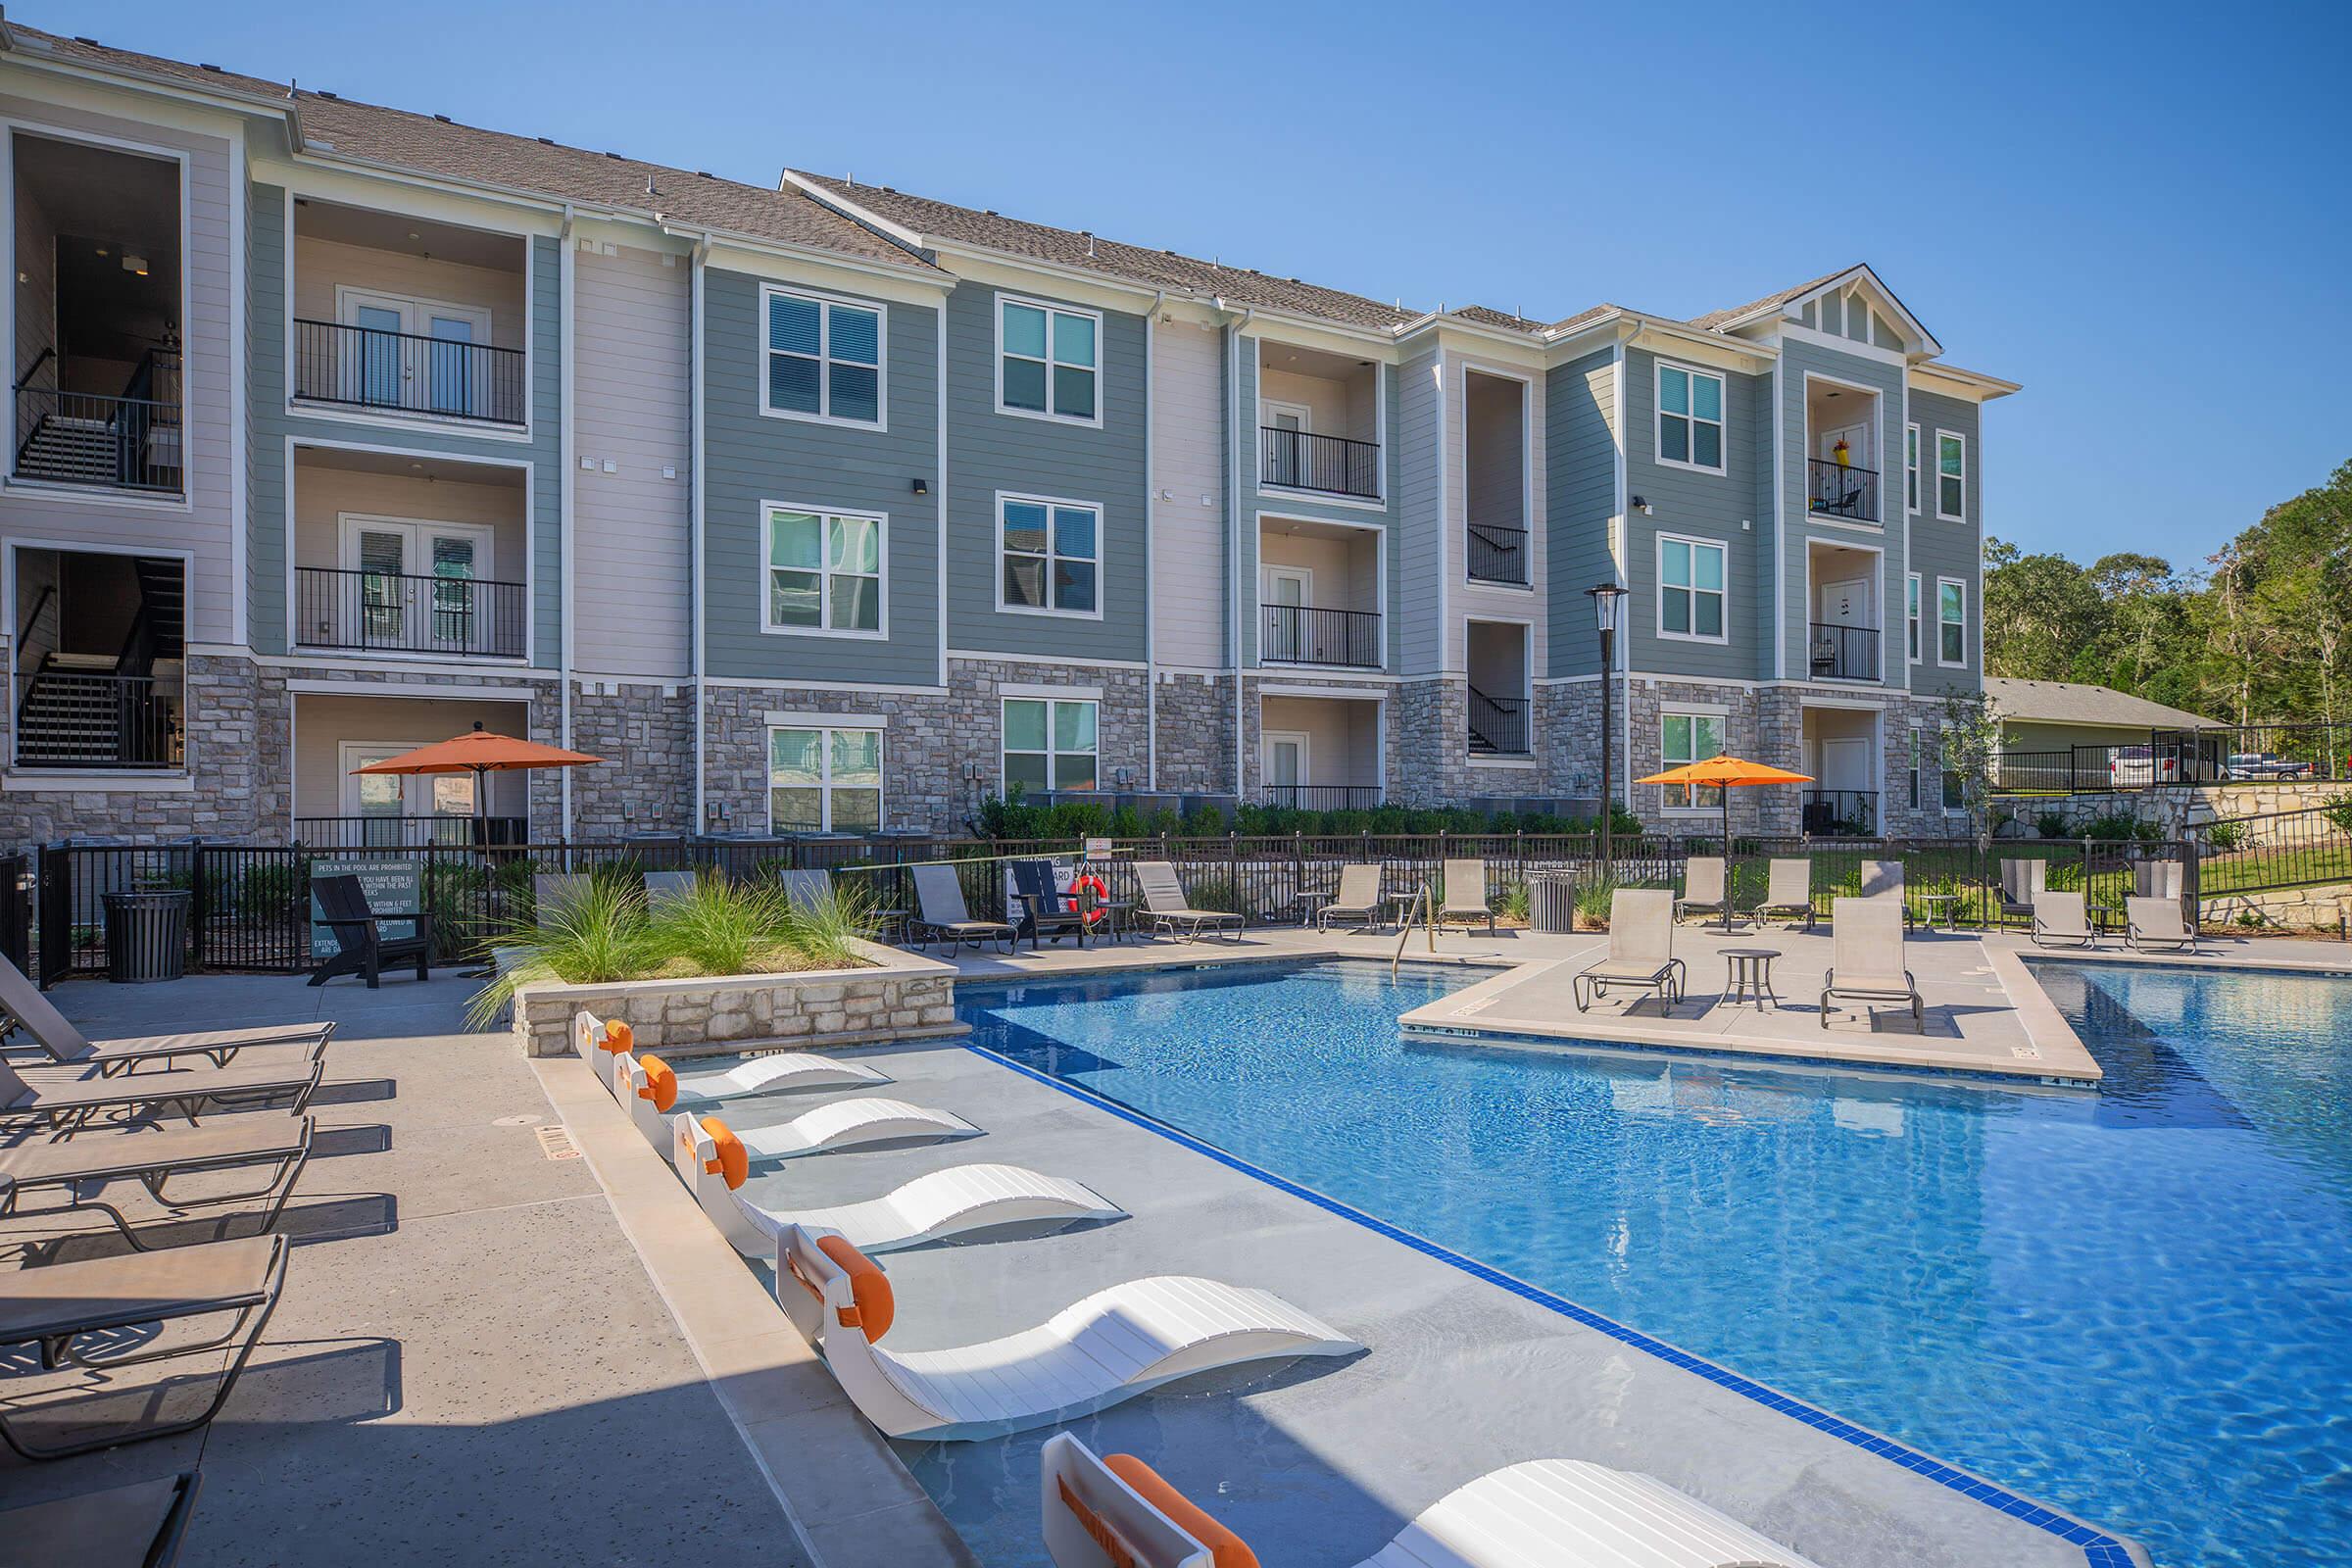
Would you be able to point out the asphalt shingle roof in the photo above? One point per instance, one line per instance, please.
(2066, 702)
(1716, 319)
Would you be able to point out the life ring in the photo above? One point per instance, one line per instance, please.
(1093, 883)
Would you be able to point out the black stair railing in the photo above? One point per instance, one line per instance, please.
(397, 613)
(1497, 554)
(1497, 723)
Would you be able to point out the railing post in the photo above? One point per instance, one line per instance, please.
(199, 904)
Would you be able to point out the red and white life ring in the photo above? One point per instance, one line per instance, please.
(1093, 884)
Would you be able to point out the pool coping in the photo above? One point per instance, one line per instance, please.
(2102, 1548)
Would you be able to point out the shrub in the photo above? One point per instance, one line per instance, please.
(2222, 837)
(2050, 824)
(270, 890)
(2339, 813)
(1512, 903)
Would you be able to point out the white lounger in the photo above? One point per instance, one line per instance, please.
(1546, 1513)
(956, 1202)
(597, 1042)
(842, 1124)
(1110, 1346)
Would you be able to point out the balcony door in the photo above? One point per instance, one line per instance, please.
(1289, 590)
(1846, 607)
(411, 586)
(1285, 763)
(413, 353)
(398, 808)
(1291, 423)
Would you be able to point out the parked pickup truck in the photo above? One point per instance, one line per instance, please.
(2266, 764)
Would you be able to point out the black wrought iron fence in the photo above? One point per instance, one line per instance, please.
(2308, 848)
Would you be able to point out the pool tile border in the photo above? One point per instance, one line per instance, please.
(2099, 1548)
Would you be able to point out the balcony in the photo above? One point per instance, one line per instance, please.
(1322, 797)
(390, 831)
(1841, 490)
(1298, 634)
(1494, 479)
(1319, 423)
(1844, 652)
(1331, 465)
(1499, 554)
(1842, 813)
(407, 372)
(396, 613)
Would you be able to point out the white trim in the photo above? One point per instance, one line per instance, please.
(824, 731)
(1943, 583)
(1795, 332)
(1073, 694)
(299, 687)
(1099, 368)
(1268, 407)
(784, 720)
(1658, 417)
(991, 655)
(825, 573)
(1942, 516)
(1446, 528)
(1658, 604)
(1265, 755)
(1915, 619)
(1914, 463)
(31, 780)
(239, 344)
(1678, 708)
(864, 688)
(1342, 694)
(997, 555)
(938, 489)
(826, 303)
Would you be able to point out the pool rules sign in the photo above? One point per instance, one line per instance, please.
(388, 884)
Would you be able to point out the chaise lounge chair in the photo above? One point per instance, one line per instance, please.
(1466, 894)
(842, 1124)
(655, 1084)
(2021, 882)
(362, 947)
(81, 1168)
(67, 1100)
(2062, 919)
(1166, 908)
(1866, 959)
(1545, 1513)
(1787, 890)
(1702, 888)
(1110, 1346)
(941, 915)
(808, 888)
(2157, 923)
(1885, 879)
(1358, 901)
(663, 886)
(67, 1047)
(1640, 949)
(93, 1316)
(956, 1202)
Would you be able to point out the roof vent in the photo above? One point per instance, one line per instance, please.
(444, 120)
(615, 156)
(990, 211)
(704, 174)
(215, 69)
(92, 42)
(547, 141)
(649, 186)
(323, 93)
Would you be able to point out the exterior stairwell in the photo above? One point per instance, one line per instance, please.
(98, 710)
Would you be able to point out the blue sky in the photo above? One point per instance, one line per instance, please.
(2141, 213)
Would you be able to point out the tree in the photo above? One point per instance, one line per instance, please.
(1969, 753)
(2040, 611)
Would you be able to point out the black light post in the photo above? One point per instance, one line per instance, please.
(1605, 609)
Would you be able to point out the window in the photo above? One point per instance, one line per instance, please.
(1951, 622)
(824, 572)
(824, 780)
(1690, 589)
(1911, 468)
(1911, 607)
(1952, 477)
(1689, 417)
(1046, 361)
(1690, 738)
(1956, 789)
(824, 358)
(1048, 744)
(1918, 761)
(1053, 556)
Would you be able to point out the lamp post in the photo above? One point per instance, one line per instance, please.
(1604, 610)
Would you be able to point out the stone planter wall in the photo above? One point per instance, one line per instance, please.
(901, 997)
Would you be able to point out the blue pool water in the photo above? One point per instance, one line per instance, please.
(2135, 1304)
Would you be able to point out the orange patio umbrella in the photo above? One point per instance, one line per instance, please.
(480, 752)
(1727, 773)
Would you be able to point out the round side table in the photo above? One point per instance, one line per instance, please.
(1748, 975)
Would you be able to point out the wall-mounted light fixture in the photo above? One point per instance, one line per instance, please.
(922, 487)
(134, 263)
(1641, 503)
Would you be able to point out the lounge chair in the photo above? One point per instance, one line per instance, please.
(1703, 887)
(80, 1169)
(1640, 949)
(842, 1124)
(941, 915)
(956, 1202)
(1044, 906)
(808, 888)
(1787, 890)
(1883, 879)
(90, 1317)
(1166, 908)
(1466, 894)
(1357, 900)
(552, 890)
(1110, 1346)
(599, 1041)
(668, 1090)
(2157, 923)
(2160, 879)
(39, 1020)
(362, 948)
(1545, 1513)
(2021, 882)
(137, 1526)
(663, 886)
(67, 1100)
(2062, 919)
(1866, 959)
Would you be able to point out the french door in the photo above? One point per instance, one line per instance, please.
(418, 584)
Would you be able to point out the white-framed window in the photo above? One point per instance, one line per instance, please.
(1689, 433)
(823, 780)
(1049, 556)
(824, 358)
(1951, 621)
(1050, 742)
(1952, 477)
(1690, 589)
(1911, 468)
(1689, 736)
(1912, 629)
(1049, 360)
(825, 571)
(1955, 788)
(1918, 763)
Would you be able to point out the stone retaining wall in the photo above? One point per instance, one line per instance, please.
(898, 995)
(2318, 910)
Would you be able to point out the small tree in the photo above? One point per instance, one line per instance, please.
(1971, 755)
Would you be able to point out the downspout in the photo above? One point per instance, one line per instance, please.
(695, 593)
(1150, 601)
(566, 293)
(1233, 528)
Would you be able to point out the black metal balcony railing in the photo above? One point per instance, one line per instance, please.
(383, 612)
(362, 367)
(130, 442)
(1295, 634)
(1322, 797)
(1844, 652)
(1498, 555)
(1842, 813)
(1841, 490)
(1296, 460)
(72, 719)
(1498, 724)
(405, 832)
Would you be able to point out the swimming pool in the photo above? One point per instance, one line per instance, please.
(2130, 1303)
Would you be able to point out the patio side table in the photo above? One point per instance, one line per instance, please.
(1747, 975)
(1944, 907)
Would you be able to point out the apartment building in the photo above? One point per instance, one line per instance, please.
(828, 508)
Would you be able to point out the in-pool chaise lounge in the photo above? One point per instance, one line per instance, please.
(651, 1091)
(69, 1046)
(956, 1202)
(842, 1124)
(1547, 1514)
(1110, 1346)
(79, 1170)
(596, 1041)
(66, 1100)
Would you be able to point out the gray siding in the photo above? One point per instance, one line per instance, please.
(1581, 489)
(1417, 549)
(1888, 380)
(752, 458)
(989, 452)
(1700, 506)
(1948, 549)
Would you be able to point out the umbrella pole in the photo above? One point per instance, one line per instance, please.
(1727, 859)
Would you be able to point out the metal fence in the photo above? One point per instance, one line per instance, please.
(2308, 848)
(2244, 753)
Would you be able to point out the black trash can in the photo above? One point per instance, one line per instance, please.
(146, 936)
